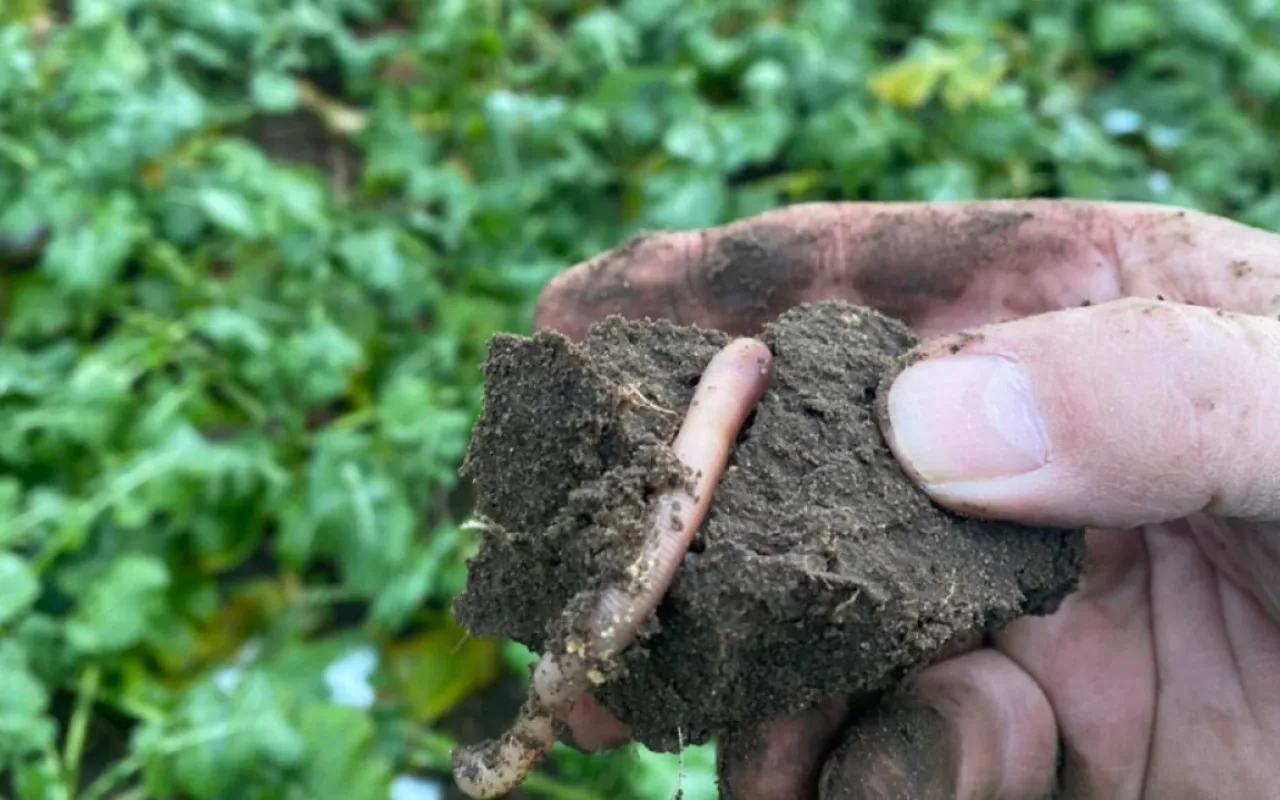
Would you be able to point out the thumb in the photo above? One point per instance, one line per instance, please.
(1129, 413)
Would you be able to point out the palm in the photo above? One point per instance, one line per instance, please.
(1159, 642)
(1161, 675)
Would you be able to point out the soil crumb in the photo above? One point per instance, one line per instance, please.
(820, 569)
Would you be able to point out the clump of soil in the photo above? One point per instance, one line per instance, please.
(820, 568)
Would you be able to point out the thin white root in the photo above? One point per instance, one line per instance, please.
(633, 395)
(678, 794)
(731, 385)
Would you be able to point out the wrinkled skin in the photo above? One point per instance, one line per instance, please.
(1159, 430)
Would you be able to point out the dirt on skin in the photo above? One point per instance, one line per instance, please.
(897, 745)
(820, 569)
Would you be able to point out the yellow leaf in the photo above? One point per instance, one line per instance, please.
(437, 670)
(802, 183)
(974, 81)
(909, 83)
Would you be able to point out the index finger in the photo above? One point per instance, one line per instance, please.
(939, 267)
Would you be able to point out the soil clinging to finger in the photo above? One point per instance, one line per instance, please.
(898, 752)
(757, 270)
(907, 263)
(820, 569)
(911, 261)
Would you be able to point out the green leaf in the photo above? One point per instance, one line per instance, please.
(40, 779)
(233, 328)
(434, 671)
(354, 512)
(375, 258)
(221, 743)
(19, 586)
(24, 728)
(85, 256)
(404, 594)
(119, 609)
(320, 361)
(1210, 21)
(39, 310)
(693, 141)
(276, 92)
(229, 211)
(10, 499)
(43, 637)
(1263, 76)
(685, 200)
(1125, 25)
(342, 759)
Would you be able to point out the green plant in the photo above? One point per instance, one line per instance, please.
(251, 252)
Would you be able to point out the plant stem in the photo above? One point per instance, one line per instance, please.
(78, 729)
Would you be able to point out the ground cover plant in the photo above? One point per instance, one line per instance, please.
(251, 254)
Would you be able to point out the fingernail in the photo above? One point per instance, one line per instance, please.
(966, 418)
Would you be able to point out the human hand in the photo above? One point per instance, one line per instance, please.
(1143, 417)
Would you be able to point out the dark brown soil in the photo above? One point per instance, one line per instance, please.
(820, 569)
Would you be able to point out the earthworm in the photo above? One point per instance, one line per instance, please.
(731, 384)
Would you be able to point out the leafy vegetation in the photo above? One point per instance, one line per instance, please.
(251, 252)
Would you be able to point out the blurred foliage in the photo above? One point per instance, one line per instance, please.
(251, 252)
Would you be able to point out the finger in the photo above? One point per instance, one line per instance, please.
(1202, 680)
(1186, 607)
(1129, 413)
(939, 267)
(1094, 658)
(593, 729)
(976, 726)
(781, 759)
(1249, 553)
(1246, 554)
(1255, 647)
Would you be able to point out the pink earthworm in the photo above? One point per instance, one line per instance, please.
(731, 384)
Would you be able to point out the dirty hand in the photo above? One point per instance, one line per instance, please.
(1097, 385)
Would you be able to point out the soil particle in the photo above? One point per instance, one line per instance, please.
(962, 340)
(820, 569)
